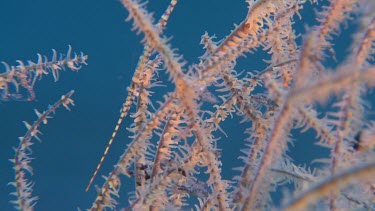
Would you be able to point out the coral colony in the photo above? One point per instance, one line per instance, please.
(173, 155)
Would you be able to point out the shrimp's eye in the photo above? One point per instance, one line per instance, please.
(357, 143)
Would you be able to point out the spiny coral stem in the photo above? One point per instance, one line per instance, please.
(25, 200)
(26, 75)
(336, 182)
